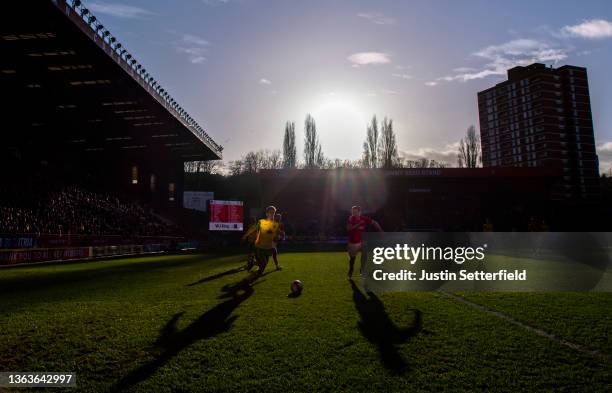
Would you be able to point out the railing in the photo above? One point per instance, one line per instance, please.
(141, 74)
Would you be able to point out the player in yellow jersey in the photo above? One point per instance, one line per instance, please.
(267, 230)
(280, 234)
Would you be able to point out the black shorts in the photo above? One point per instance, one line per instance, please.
(263, 253)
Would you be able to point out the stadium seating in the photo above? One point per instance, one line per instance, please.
(75, 210)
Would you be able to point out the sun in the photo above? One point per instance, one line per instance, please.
(341, 122)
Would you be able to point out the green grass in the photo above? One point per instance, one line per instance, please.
(154, 324)
(583, 318)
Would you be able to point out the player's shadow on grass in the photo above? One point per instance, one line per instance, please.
(376, 326)
(171, 341)
(218, 275)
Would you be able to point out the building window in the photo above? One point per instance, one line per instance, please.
(153, 182)
(134, 174)
(171, 190)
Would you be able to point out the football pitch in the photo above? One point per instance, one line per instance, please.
(183, 323)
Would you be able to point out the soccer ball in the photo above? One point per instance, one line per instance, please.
(296, 287)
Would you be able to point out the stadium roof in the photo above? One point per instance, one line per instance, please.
(69, 85)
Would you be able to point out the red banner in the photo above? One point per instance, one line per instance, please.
(226, 215)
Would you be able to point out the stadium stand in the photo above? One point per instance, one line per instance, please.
(74, 210)
(93, 147)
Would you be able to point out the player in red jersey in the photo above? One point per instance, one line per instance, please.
(355, 226)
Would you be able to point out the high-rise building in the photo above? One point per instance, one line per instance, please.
(541, 116)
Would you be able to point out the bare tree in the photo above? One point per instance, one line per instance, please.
(251, 162)
(254, 161)
(418, 163)
(235, 167)
(370, 146)
(388, 155)
(320, 158)
(289, 149)
(189, 166)
(338, 163)
(212, 167)
(469, 149)
(423, 162)
(271, 159)
(437, 164)
(365, 158)
(313, 153)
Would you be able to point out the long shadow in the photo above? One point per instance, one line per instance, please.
(94, 273)
(216, 276)
(74, 284)
(171, 341)
(376, 326)
(228, 289)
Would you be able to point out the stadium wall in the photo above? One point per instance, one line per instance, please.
(428, 199)
(25, 248)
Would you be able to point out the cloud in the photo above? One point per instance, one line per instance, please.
(591, 29)
(464, 69)
(500, 58)
(377, 18)
(606, 148)
(521, 48)
(194, 47)
(402, 76)
(194, 40)
(604, 153)
(390, 92)
(431, 83)
(524, 51)
(119, 10)
(367, 58)
(264, 81)
(446, 154)
(215, 2)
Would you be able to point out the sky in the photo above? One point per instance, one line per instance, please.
(242, 68)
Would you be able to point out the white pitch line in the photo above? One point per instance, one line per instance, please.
(539, 332)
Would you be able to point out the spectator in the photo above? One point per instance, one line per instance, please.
(74, 210)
